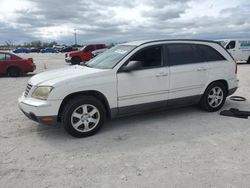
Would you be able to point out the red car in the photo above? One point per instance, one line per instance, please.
(84, 54)
(14, 65)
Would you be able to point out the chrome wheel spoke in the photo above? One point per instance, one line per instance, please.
(210, 96)
(77, 124)
(77, 115)
(92, 120)
(94, 111)
(86, 126)
(85, 109)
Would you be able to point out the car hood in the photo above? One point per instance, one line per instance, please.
(74, 52)
(64, 75)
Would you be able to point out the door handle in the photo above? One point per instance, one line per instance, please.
(201, 69)
(161, 74)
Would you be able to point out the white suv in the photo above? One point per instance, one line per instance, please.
(131, 78)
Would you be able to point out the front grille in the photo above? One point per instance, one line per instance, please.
(27, 90)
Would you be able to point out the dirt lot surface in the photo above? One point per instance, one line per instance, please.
(178, 148)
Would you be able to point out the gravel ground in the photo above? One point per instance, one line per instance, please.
(184, 147)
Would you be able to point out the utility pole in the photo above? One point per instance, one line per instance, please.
(75, 37)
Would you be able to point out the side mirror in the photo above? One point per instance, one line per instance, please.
(132, 65)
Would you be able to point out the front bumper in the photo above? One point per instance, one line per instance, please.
(40, 111)
(68, 59)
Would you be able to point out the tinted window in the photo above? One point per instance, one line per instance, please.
(209, 53)
(179, 54)
(2, 56)
(89, 48)
(100, 46)
(231, 45)
(149, 57)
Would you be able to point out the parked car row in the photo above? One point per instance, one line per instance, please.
(44, 50)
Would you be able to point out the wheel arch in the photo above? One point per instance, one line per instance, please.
(98, 95)
(224, 82)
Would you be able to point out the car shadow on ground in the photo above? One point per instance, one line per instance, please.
(22, 75)
(144, 129)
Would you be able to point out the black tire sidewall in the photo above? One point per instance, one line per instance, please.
(76, 61)
(13, 72)
(204, 101)
(72, 105)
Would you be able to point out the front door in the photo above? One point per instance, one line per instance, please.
(147, 86)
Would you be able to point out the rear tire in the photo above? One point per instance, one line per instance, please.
(83, 116)
(14, 72)
(214, 97)
(75, 60)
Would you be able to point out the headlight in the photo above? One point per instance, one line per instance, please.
(42, 92)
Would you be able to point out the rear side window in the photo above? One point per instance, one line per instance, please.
(181, 54)
(209, 53)
(2, 56)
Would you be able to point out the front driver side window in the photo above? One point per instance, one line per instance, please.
(149, 57)
(231, 45)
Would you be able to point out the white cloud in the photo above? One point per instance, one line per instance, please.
(111, 21)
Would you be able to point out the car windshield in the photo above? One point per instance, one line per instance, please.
(110, 58)
(82, 48)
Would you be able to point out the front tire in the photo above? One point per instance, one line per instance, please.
(214, 97)
(76, 61)
(83, 116)
(13, 72)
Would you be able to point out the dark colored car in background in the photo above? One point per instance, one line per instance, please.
(21, 50)
(35, 50)
(13, 65)
(48, 50)
(68, 49)
(84, 54)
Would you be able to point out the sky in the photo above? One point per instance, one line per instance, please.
(106, 21)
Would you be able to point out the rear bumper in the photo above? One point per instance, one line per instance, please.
(232, 91)
(68, 59)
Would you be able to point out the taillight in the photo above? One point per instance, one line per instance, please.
(30, 60)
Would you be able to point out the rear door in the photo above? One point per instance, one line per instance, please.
(188, 73)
